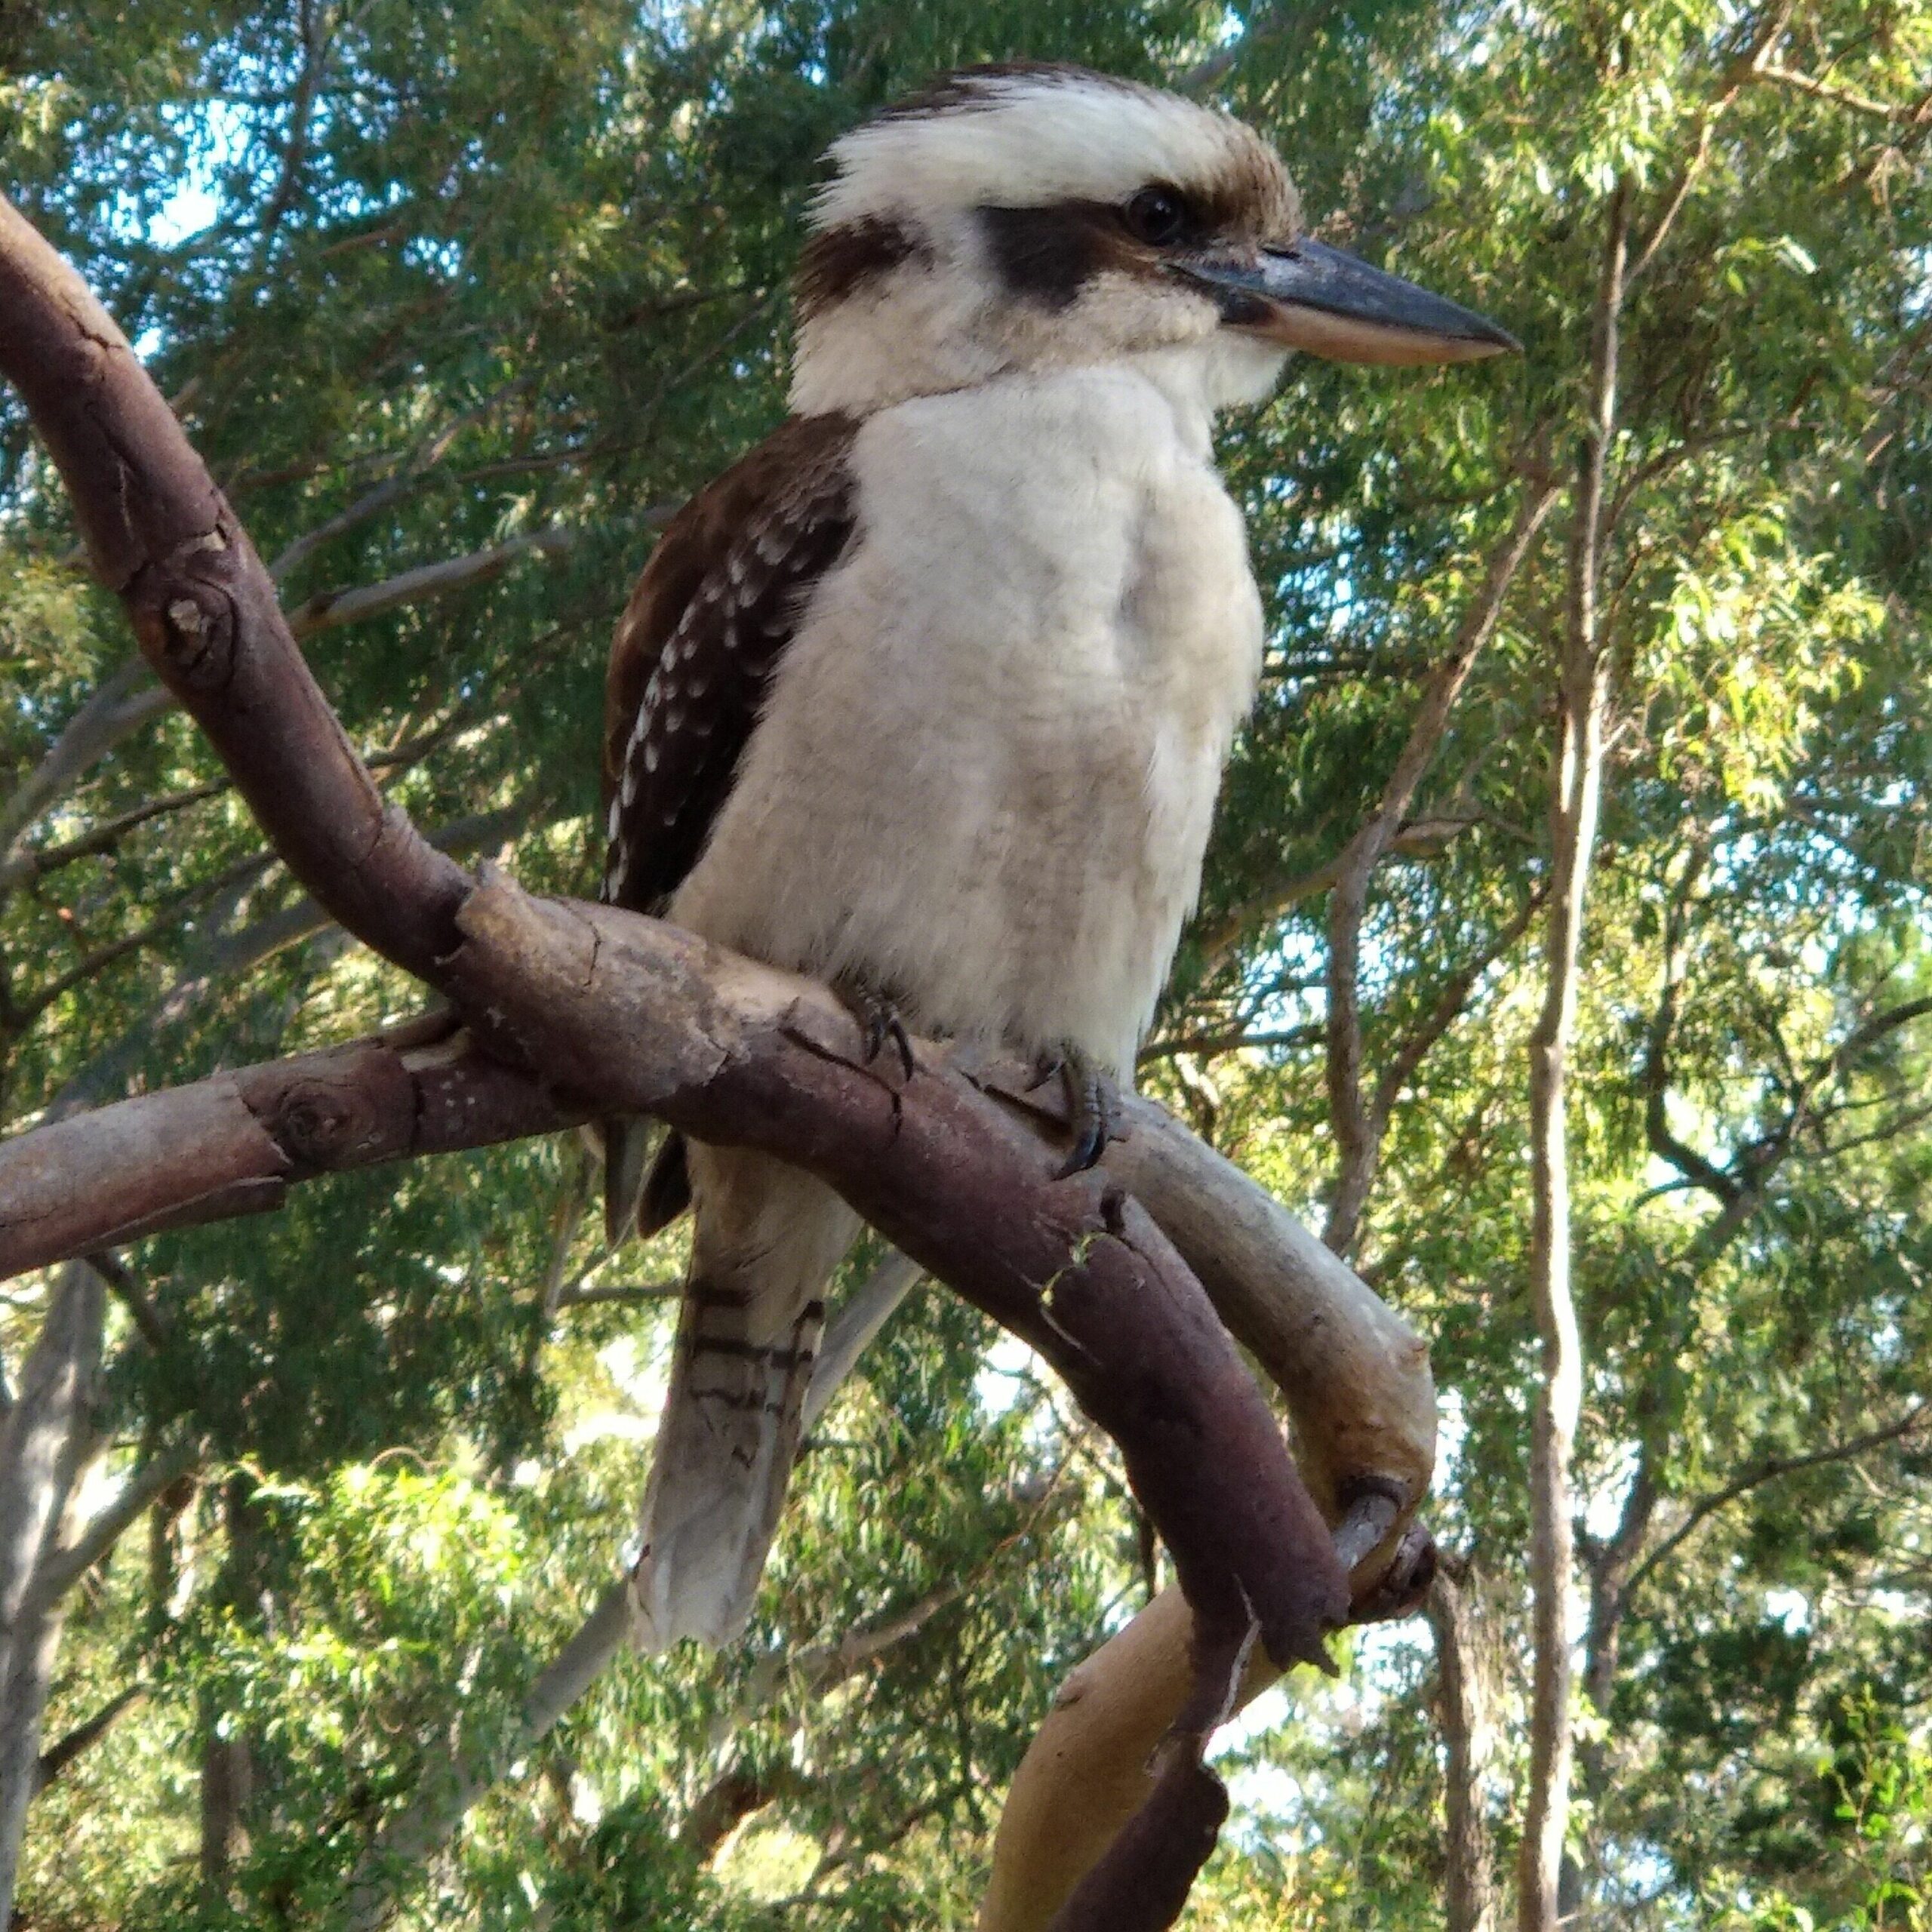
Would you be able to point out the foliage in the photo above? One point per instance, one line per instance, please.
(425, 279)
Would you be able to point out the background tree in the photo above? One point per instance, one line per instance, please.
(460, 301)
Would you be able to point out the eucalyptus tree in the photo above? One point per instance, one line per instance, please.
(1593, 730)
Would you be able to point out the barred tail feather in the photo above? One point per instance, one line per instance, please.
(767, 1240)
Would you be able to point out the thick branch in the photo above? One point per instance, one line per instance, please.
(628, 1011)
(622, 1015)
(162, 536)
(1089, 1769)
(1356, 1376)
(234, 1144)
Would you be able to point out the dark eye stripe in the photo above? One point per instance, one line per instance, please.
(1048, 255)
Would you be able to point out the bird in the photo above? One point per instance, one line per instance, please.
(929, 696)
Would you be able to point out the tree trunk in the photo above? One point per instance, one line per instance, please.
(1465, 1709)
(228, 1782)
(1576, 776)
(45, 1444)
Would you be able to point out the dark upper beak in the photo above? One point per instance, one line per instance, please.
(1311, 296)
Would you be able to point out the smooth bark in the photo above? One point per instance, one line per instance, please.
(1576, 788)
(45, 1444)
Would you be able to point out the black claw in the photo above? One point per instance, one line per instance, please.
(879, 1019)
(1091, 1110)
(897, 1027)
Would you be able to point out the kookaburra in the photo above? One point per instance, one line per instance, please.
(929, 696)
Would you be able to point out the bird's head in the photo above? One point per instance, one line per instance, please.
(1032, 217)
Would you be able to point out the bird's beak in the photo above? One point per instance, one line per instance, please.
(1309, 296)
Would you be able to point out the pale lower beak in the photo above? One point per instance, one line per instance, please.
(1309, 296)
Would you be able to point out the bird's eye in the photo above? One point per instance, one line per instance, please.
(1157, 216)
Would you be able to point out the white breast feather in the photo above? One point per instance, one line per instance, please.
(987, 766)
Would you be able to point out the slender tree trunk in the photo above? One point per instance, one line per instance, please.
(45, 1444)
(228, 1784)
(1577, 777)
(1465, 1697)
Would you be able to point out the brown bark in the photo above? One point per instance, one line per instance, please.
(162, 536)
(234, 1144)
(1092, 1764)
(606, 1003)
(1465, 1696)
(228, 1784)
(77, 1742)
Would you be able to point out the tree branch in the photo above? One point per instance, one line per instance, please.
(1576, 792)
(30, 862)
(1357, 1135)
(204, 611)
(1704, 1507)
(1897, 112)
(623, 1014)
(1463, 1699)
(83, 1737)
(45, 1442)
(116, 711)
(67, 1565)
(229, 954)
(120, 1280)
(329, 609)
(314, 25)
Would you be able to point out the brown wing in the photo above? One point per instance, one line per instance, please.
(696, 645)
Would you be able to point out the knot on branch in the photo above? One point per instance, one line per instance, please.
(189, 626)
(354, 1105)
(314, 1122)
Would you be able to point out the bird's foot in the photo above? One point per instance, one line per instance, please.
(878, 1017)
(1093, 1104)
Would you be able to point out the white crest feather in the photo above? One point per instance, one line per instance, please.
(1027, 138)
